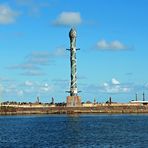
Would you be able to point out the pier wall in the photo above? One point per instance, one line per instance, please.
(68, 110)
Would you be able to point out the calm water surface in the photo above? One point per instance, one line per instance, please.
(102, 131)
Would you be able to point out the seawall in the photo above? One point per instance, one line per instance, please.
(70, 110)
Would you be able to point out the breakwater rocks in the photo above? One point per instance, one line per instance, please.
(72, 110)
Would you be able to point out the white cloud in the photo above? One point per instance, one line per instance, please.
(37, 87)
(117, 45)
(26, 89)
(68, 19)
(33, 73)
(7, 15)
(39, 58)
(46, 88)
(45, 57)
(12, 89)
(115, 82)
(34, 7)
(146, 85)
(115, 87)
(5, 79)
(113, 46)
(46, 85)
(59, 52)
(25, 66)
(28, 83)
(34, 62)
(20, 93)
(102, 44)
(105, 84)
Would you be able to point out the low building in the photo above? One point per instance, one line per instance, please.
(139, 102)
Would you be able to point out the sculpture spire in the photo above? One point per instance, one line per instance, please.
(73, 99)
(73, 87)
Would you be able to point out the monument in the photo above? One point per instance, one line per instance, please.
(73, 100)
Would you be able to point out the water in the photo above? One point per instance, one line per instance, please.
(45, 131)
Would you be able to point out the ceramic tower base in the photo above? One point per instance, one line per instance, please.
(73, 101)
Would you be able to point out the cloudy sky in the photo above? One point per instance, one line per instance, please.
(113, 59)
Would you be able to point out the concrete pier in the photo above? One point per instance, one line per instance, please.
(108, 109)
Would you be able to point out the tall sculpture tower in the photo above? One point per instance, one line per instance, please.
(73, 100)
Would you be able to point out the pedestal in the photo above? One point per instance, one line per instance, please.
(73, 101)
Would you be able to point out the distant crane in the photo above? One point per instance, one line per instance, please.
(136, 97)
(143, 96)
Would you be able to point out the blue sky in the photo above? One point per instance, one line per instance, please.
(112, 35)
